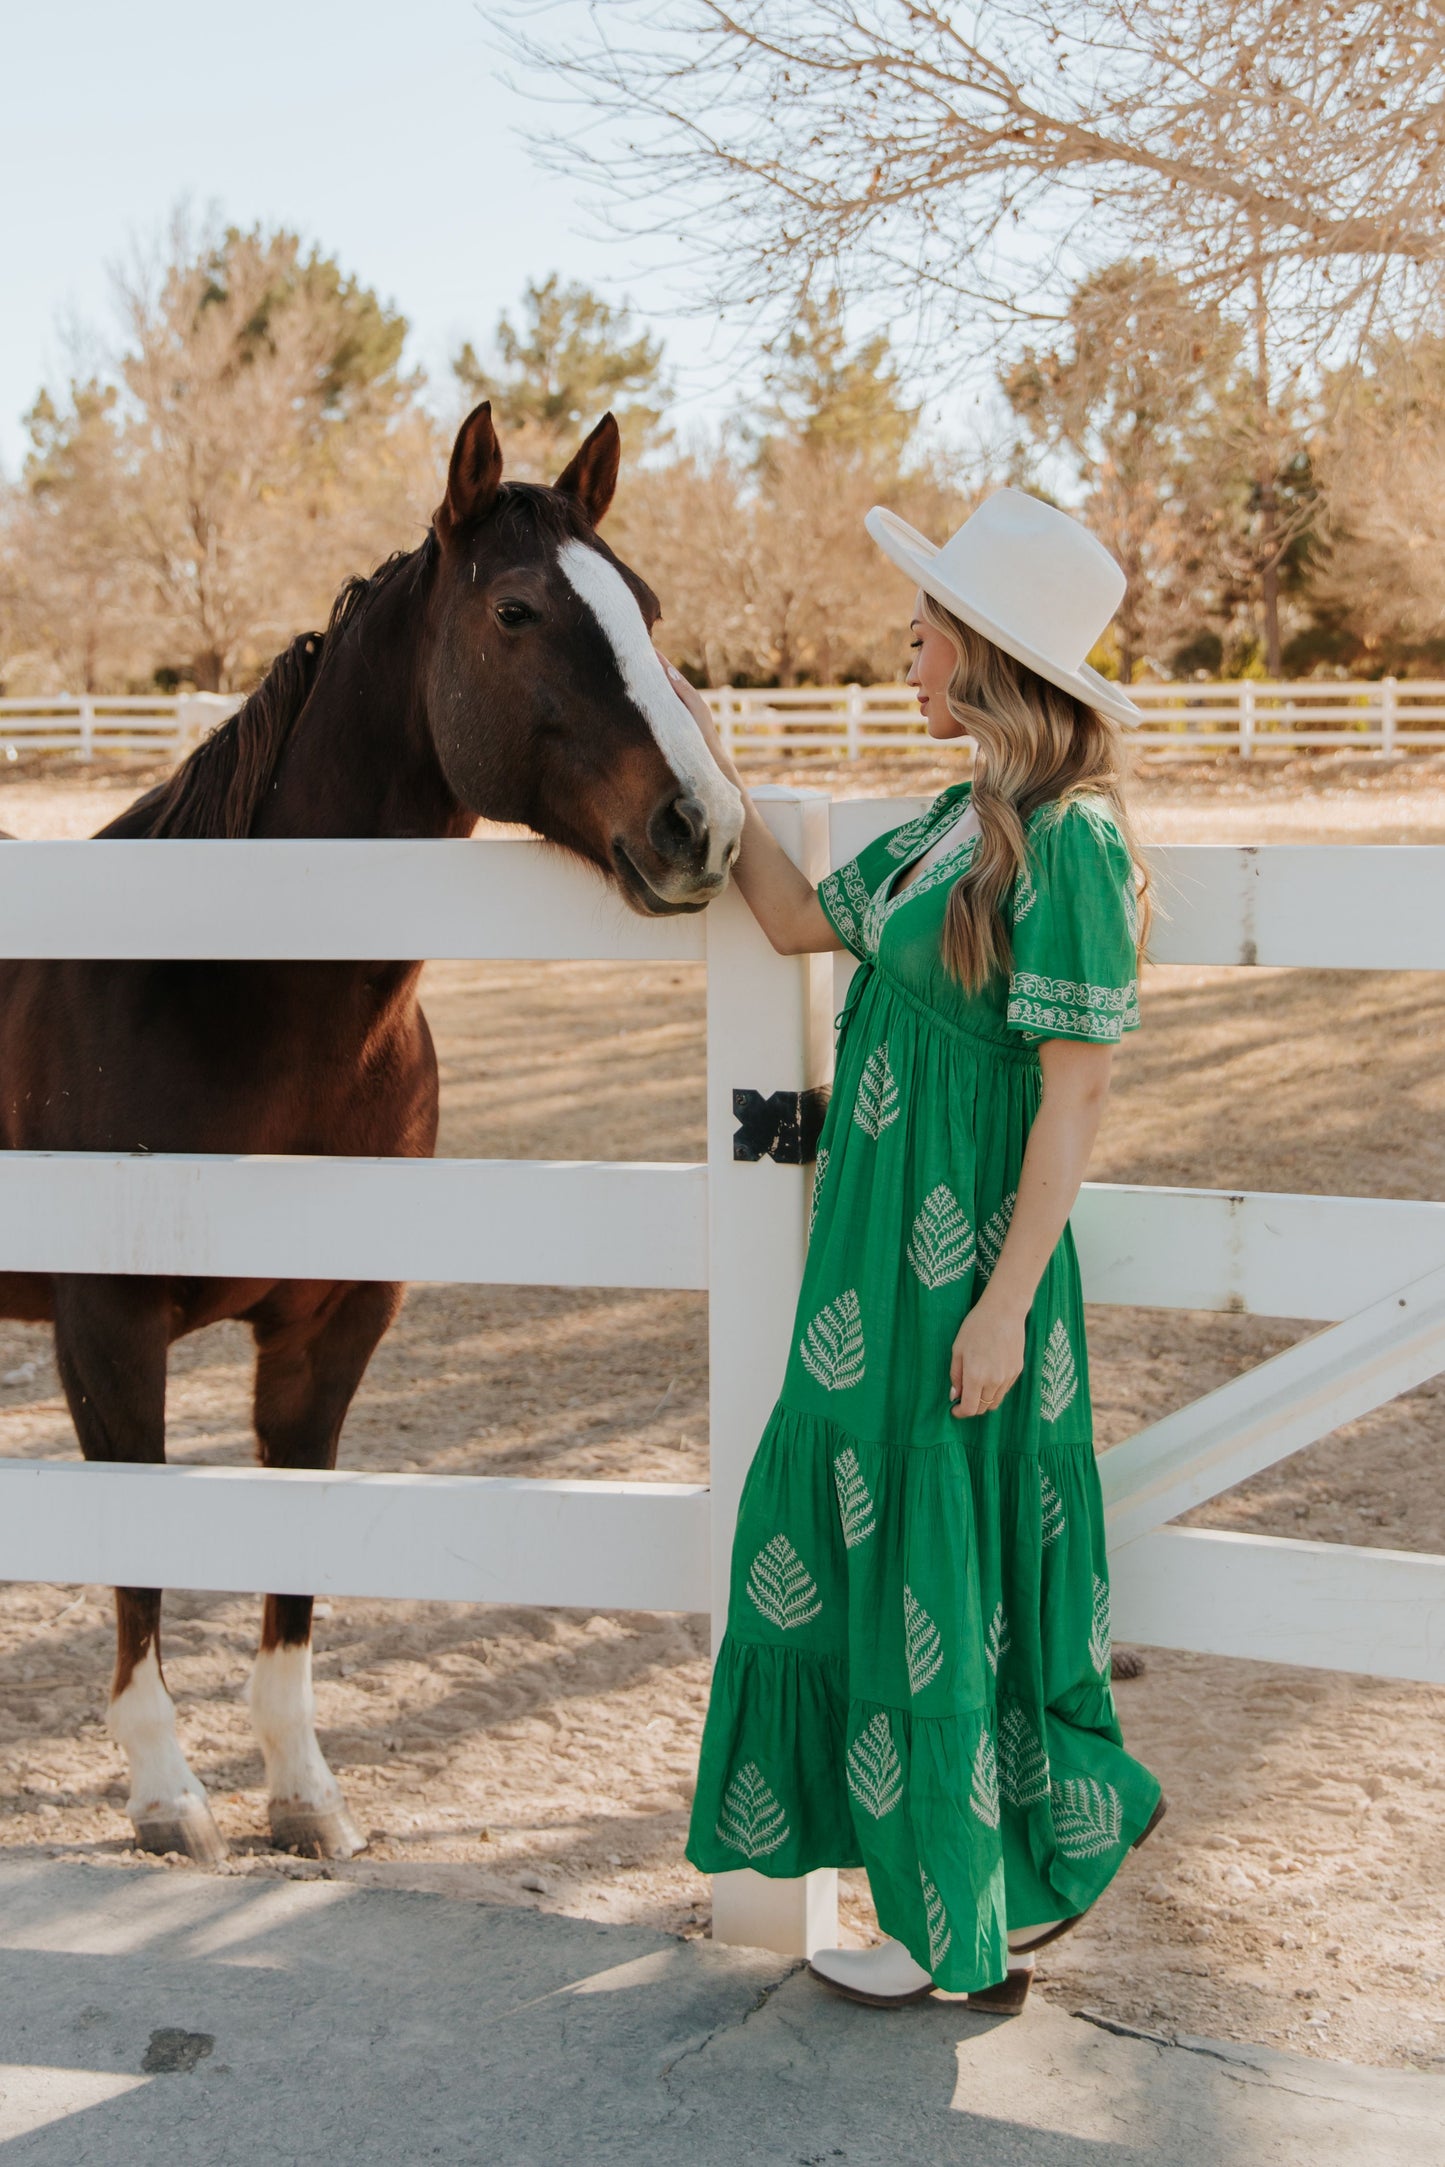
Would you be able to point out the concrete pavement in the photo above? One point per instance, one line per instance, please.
(189, 2020)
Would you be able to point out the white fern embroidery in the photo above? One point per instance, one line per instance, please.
(1023, 1765)
(997, 1642)
(1099, 1637)
(912, 831)
(983, 1795)
(1131, 910)
(832, 1346)
(820, 1168)
(1052, 1507)
(875, 1773)
(923, 1642)
(1025, 896)
(1088, 1816)
(782, 1587)
(991, 1236)
(855, 1506)
(752, 1821)
(941, 1246)
(940, 1933)
(1060, 1378)
(877, 1102)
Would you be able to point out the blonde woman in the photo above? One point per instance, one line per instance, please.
(915, 1676)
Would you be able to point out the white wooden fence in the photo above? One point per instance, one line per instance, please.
(1247, 718)
(1372, 1272)
(847, 721)
(158, 726)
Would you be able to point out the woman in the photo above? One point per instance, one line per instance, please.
(915, 1676)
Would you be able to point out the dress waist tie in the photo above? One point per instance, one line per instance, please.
(855, 986)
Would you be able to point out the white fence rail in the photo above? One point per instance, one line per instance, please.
(1371, 1270)
(139, 725)
(1247, 717)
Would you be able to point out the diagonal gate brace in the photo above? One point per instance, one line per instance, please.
(1274, 1410)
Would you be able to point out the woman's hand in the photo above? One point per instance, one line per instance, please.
(988, 1355)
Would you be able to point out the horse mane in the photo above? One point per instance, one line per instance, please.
(217, 790)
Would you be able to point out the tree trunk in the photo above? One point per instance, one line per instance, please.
(206, 670)
(1269, 540)
(1269, 598)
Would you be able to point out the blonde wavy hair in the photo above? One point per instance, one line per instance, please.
(1036, 745)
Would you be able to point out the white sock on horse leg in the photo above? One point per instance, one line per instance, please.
(283, 1715)
(142, 1721)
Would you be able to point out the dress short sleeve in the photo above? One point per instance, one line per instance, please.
(846, 892)
(1075, 929)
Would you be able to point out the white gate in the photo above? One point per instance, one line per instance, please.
(1374, 1271)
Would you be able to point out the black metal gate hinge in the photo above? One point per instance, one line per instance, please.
(784, 1126)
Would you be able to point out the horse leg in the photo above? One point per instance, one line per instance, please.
(307, 1370)
(110, 1346)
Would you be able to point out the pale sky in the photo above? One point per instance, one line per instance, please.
(380, 131)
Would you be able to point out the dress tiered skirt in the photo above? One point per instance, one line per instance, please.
(915, 1675)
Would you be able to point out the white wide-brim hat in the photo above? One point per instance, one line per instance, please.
(1029, 578)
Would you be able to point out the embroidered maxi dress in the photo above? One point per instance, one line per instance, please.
(915, 1675)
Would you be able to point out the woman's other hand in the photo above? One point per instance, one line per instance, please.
(988, 1355)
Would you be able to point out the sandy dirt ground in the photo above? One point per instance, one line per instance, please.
(1296, 1892)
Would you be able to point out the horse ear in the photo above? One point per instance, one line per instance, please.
(475, 473)
(590, 475)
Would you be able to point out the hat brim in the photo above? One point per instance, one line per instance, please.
(914, 554)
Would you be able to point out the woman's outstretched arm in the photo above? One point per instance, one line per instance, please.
(988, 1352)
(783, 900)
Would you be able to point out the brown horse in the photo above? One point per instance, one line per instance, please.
(503, 669)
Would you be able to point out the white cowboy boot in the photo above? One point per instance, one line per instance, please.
(885, 1977)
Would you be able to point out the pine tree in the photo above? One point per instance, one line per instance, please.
(569, 357)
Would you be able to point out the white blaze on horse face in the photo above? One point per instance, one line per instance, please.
(612, 602)
(142, 1721)
(283, 1716)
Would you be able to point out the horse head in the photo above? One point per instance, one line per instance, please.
(546, 700)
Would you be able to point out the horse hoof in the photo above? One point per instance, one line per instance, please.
(316, 1835)
(187, 1827)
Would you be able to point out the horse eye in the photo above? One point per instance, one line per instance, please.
(515, 613)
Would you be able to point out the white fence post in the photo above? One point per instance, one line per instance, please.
(855, 719)
(87, 729)
(769, 1028)
(1246, 719)
(1389, 714)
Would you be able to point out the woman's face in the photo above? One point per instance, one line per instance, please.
(934, 660)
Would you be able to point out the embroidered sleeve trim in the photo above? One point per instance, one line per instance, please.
(1066, 1008)
(844, 897)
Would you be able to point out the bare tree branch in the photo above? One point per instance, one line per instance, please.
(922, 151)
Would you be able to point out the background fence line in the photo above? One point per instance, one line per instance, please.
(1248, 717)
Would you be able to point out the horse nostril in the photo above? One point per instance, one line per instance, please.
(679, 828)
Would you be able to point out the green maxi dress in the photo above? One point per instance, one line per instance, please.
(915, 1675)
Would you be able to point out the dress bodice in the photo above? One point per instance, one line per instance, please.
(1072, 921)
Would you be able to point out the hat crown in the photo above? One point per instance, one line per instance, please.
(1035, 573)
